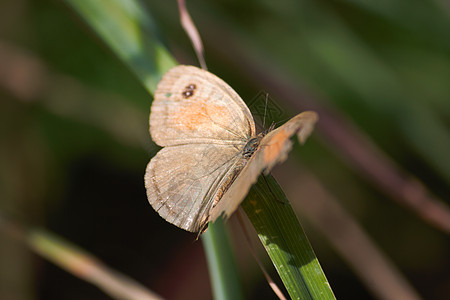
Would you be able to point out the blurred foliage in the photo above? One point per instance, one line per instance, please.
(74, 134)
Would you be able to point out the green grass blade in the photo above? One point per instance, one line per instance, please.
(285, 242)
(223, 274)
(127, 28)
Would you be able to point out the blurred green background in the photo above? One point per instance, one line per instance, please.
(74, 138)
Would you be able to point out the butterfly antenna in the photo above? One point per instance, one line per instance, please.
(265, 111)
(270, 281)
(273, 125)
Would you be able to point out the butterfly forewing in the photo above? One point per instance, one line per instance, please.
(194, 106)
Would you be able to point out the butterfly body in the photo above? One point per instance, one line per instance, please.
(251, 146)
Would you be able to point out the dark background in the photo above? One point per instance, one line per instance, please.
(74, 136)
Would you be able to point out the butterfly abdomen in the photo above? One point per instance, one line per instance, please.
(228, 180)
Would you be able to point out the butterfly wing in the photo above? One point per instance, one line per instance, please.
(202, 123)
(273, 149)
(183, 181)
(192, 105)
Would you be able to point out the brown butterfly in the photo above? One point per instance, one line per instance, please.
(212, 154)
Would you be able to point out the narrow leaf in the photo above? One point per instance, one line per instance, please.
(285, 241)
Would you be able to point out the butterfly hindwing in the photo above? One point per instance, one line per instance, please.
(183, 181)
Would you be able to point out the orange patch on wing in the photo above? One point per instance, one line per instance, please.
(197, 114)
(191, 116)
(218, 112)
(274, 146)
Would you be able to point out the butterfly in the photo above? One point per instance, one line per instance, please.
(211, 153)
